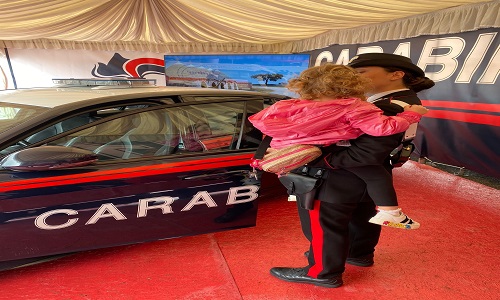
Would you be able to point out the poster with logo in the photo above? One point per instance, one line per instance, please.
(463, 125)
(37, 67)
(257, 72)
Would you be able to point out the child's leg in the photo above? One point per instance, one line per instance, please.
(380, 188)
(378, 185)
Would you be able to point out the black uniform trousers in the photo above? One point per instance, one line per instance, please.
(334, 235)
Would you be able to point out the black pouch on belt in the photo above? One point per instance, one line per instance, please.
(303, 186)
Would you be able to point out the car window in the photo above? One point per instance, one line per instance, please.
(167, 131)
(207, 127)
(14, 114)
(130, 136)
(217, 126)
(77, 121)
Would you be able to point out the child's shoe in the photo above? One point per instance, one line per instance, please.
(394, 218)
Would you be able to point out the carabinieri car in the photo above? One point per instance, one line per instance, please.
(98, 163)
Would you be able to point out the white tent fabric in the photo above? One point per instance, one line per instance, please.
(271, 26)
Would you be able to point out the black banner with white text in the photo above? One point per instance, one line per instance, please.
(463, 125)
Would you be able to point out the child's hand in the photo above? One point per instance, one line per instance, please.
(416, 108)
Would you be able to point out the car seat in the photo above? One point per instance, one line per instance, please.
(146, 134)
(193, 127)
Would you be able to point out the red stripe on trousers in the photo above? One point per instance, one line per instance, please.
(317, 240)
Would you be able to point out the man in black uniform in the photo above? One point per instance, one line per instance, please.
(338, 226)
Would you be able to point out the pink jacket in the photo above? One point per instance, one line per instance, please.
(311, 122)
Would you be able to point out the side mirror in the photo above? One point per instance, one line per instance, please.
(47, 158)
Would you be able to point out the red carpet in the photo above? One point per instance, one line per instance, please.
(452, 256)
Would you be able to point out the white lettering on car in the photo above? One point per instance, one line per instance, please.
(40, 220)
(200, 198)
(236, 195)
(105, 211)
(165, 207)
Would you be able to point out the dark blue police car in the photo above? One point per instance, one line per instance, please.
(97, 163)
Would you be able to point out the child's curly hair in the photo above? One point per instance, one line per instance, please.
(329, 80)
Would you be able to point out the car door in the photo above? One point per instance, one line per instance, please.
(163, 172)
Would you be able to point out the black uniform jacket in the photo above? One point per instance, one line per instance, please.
(342, 186)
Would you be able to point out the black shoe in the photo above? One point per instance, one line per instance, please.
(300, 275)
(360, 261)
(366, 261)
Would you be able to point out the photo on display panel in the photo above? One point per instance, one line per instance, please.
(253, 72)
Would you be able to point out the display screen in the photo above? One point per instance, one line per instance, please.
(256, 72)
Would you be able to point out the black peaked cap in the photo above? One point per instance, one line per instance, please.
(385, 60)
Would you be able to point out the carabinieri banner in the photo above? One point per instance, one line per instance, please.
(463, 125)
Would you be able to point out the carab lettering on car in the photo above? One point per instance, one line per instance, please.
(110, 205)
(236, 195)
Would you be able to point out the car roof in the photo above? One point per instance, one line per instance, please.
(57, 96)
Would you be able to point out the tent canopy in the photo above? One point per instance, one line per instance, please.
(273, 26)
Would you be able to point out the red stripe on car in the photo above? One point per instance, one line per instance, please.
(176, 167)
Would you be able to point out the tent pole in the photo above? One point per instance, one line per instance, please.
(10, 68)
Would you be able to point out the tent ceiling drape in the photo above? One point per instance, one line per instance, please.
(230, 25)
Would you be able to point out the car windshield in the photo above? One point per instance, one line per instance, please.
(14, 114)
